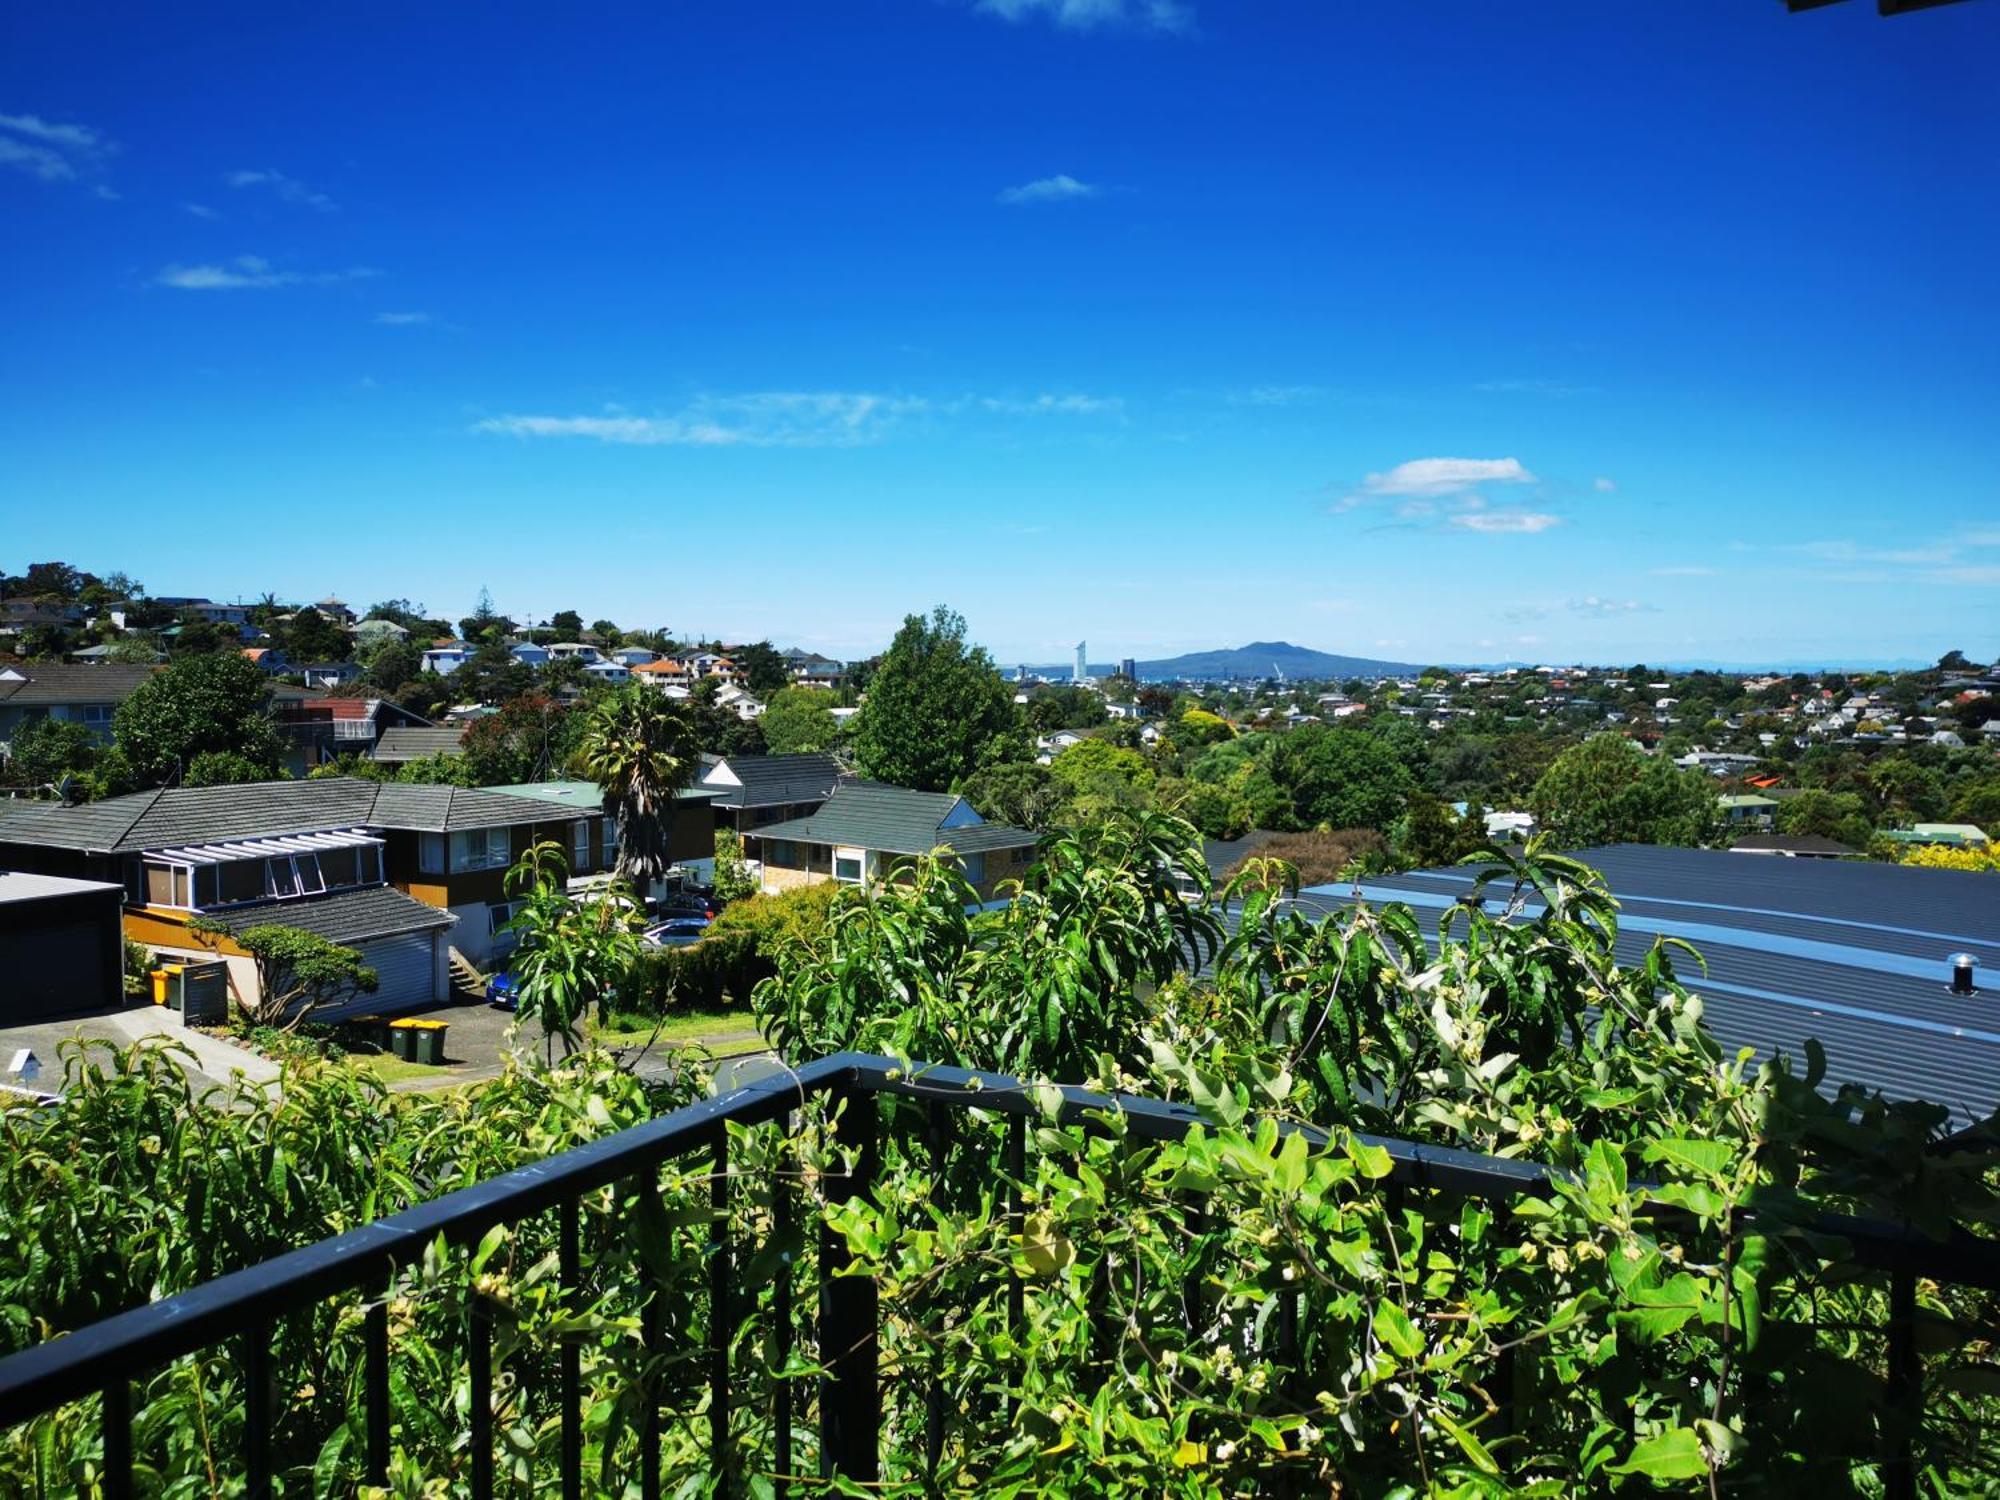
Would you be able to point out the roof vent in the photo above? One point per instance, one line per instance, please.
(1962, 965)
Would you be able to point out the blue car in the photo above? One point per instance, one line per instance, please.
(500, 991)
(677, 932)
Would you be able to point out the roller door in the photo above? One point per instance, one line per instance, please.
(404, 967)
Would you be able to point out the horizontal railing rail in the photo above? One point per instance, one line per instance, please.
(104, 1358)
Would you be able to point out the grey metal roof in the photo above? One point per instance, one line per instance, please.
(16, 886)
(1853, 953)
(378, 911)
(51, 682)
(775, 780)
(206, 815)
(894, 820)
(403, 742)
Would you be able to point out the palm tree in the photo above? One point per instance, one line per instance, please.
(641, 748)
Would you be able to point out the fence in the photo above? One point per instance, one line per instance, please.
(104, 1358)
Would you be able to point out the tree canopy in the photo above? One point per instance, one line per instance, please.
(1609, 791)
(800, 720)
(641, 748)
(937, 708)
(213, 703)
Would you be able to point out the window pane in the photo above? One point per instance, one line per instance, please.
(846, 868)
(278, 878)
(205, 885)
(242, 880)
(309, 877)
(339, 866)
(182, 895)
(430, 853)
(159, 885)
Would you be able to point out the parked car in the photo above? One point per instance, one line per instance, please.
(691, 902)
(500, 992)
(677, 932)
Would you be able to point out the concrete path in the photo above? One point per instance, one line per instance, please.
(214, 1058)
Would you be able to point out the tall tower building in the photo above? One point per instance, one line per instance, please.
(1128, 666)
(1081, 670)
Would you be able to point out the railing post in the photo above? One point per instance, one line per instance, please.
(375, 1382)
(1905, 1390)
(781, 1318)
(118, 1440)
(651, 1340)
(937, 1136)
(570, 1257)
(718, 1312)
(257, 1402)
(479, 1361)
(850, 1399)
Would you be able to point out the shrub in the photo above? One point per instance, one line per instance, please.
(1322, 858)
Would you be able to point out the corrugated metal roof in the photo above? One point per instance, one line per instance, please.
(1855, 954)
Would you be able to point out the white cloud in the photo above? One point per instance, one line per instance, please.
(1848, 552)
(251, 271)
(1528, 388)
(402, 319)
(201, 210)
(1087, 15)
(1603, 486)
(1590, 604)
(1433, 477)
(758, 419)
(1684, 570)
(288, 189)
(1053, 405)
(1277, 395)
(49, 149)
(1506, 522)
(1058, 189)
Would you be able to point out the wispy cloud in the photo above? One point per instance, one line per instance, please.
(1277, 395)
(1945, 561)
(287, 189)
(1505, 522)
(247, 271)
(1683, 570)
(402, 319)
(201, 210)
(53, 150)
(1591, 604)
(758, 419)
(1053, 405)
(1061, 188)
(1604, 486)
(1089, 15)
(1434, 478)
(791, 419)
(1529, 388)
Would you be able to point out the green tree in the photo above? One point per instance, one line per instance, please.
(733, 880)
(223, 768)
(1099, 777)
(1818, 813)
(44, 751)
(1609, 791)
(1019, 792)
(298, 973)
(311, 637)
(1340, 778)
(394, 665)
(567, 624)
(201, 703)
(1219, 812)
(641, 748)
(763, 668)
(570, 955)
(937, 709)
(799, 719)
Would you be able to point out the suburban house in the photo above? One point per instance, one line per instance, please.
(319, 730)
(402, 743)
(404, 874)
(810, 669)
(739, 701)
(866, 831)
(446, 657)
(690, 836)
(753, 790)
(375, 630)
(87, 693)
(529, 654)
(632, 656)
(1747, 810)
(669, 676)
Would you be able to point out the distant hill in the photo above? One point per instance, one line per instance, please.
(1258, 659)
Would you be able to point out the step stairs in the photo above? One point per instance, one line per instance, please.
(467, 983)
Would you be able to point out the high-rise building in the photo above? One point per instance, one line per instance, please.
(1128, 666)
(1082, 671)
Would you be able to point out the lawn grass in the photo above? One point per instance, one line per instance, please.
(627, 1030)
(392, 1069)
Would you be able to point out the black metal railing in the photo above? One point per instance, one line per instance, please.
(103, 1359)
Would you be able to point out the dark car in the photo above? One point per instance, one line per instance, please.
(500, 991)
(687, 903)
(677, 932)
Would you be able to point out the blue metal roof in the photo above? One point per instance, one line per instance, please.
(1854, 954)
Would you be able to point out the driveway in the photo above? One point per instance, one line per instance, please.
(214, 1060)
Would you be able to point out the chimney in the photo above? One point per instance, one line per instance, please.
(1962, 965)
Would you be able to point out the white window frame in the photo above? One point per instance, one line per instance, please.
(579, 846)
(494, 849)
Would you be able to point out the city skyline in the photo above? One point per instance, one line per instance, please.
(1608, 336)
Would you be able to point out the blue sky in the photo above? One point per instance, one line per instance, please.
(1438, 331)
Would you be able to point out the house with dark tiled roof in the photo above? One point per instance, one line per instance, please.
(403, 743)
(753, 790)
(866, 831)
(403, 873)
(86, 692)
(318, 729)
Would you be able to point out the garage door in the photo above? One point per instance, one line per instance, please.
(403, 965)
(52, 971)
